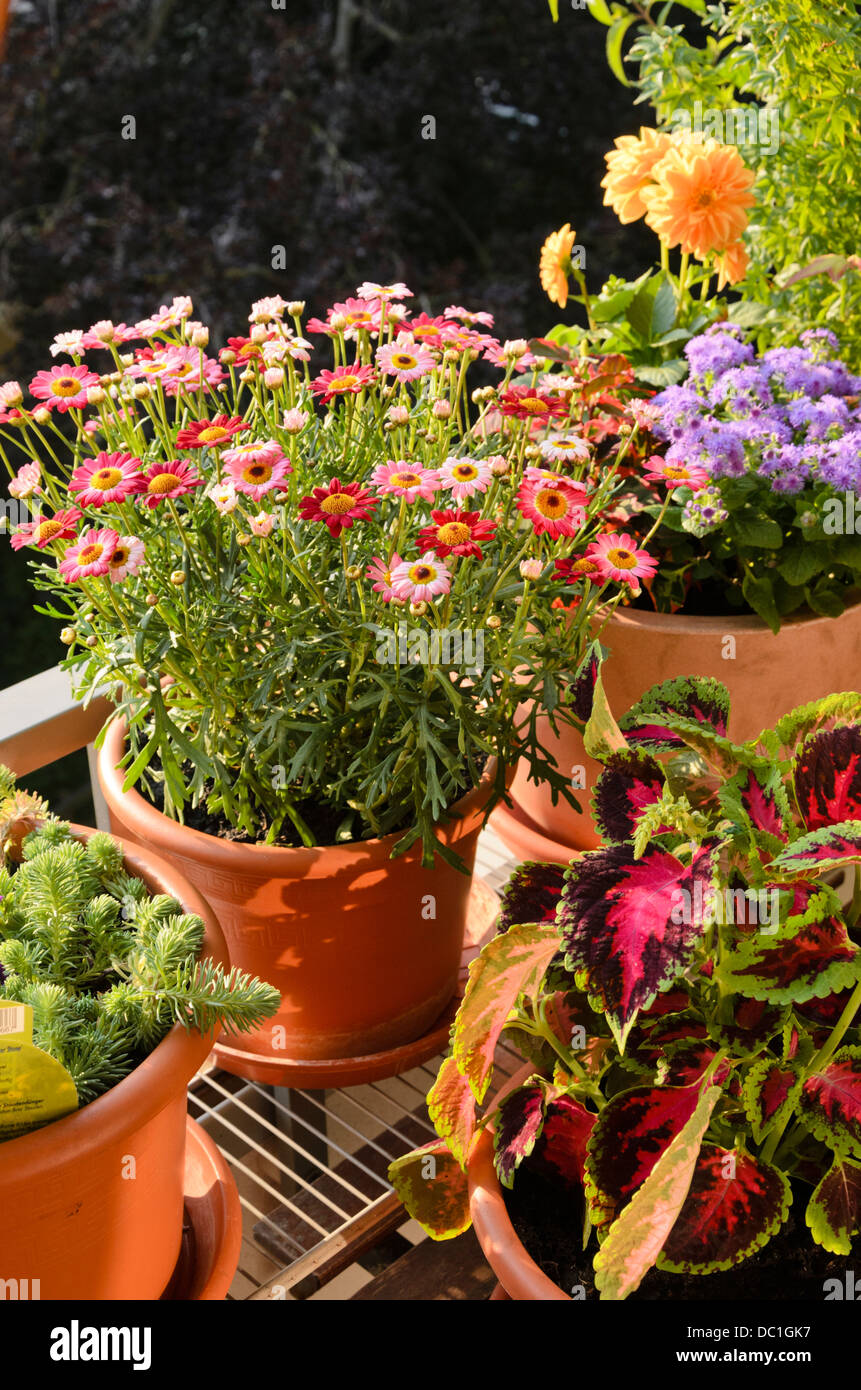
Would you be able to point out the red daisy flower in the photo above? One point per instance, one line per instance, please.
(573, 569)
(172, 479)
(246, 350)
(339, 505)
(63, 388)
(59, 527)
(526, 403)
(456, 533)
(210, 434)
(346, 381)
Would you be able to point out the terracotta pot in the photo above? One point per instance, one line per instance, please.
(212, 1226)
(769, 674)
(339, 930)
(72, 1216)
(520, 1278)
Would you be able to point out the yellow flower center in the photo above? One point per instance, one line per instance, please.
(47, 530)
(622, 559)
(403, 359)
(420, 574)
(185, 369)
(162, 483)
(464, 472)
(454, 533)
(342, 383)
(675, 470)
(551, 503)
(65, 386)
(106, 478)
(336, 504)
(705, 198)
(428, 330)
(119, 557)
(533, 406)
(257, 473)
(405, 479)
(213, 434)
(90, 554)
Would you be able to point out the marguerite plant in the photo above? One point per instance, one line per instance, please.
(689, 996)
(233, 544)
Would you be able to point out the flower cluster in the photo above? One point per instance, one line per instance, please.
(228, 521)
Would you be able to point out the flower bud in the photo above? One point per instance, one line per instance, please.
(227, 356)
(142, 391)
(494, 621)
(441, 410)
(91, 641)
(152, 600)
(95, 395)
(338, 322)
(295, 420)
(273, 377)
(67, 636)
(42, 416)
(532, 452)
(127, 359)
(178, 577)
(499, 465)
(296, 308)
(200, 336)
(399, 414)
(11, 394)
(419, 608)
(353, 572)
(258, 333)
(531, 569)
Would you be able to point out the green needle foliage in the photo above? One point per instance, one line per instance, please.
(107, 967)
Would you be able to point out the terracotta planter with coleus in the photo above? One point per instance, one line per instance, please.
(689, 999)
(102, 947)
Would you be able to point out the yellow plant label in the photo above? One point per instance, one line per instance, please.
(34, 1087)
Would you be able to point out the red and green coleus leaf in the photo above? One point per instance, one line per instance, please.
(754, 1024)
(508, 966)
(760, 798)
(628, 927)
(636, 1237)
(700, 700)
(826, 1011)
(581, 692)
(830, 1102)
(834, 1209)
(770, 1092)
(433, 1187)
(517, 1123)
(690, 1059)
(809, 956)
(629, 783)
(632, 1131)
(735, 1204)
(451, 1107)
(805, 719)
(830, 847)
(531, 894)
(561, 1149)
(554, 1129)
(826, 776)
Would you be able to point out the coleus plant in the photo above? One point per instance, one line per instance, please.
(689, 996)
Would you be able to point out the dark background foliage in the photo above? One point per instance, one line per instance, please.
(300, 127)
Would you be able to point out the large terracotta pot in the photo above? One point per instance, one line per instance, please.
(92, 1205)
(364, 949)
(769, 674)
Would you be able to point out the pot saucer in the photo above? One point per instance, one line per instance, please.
(335, 1072)
(211, 1224)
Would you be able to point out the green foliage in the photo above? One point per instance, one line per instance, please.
(106, 967)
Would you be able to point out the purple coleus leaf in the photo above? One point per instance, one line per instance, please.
(830, 1103)
(630, 782)
(827, 777)
(561, 1149)
(630, 1134)
(699, 699)
(517, 1124)
(531, 894)
(734, 1206)
(834, 1209)
(830, 847)
(631, 926)
(581, 691)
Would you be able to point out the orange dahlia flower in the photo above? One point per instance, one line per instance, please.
(732, 265)
(629, 171)
(699, 197)
(555, 263)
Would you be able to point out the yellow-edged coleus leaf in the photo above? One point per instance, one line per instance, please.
(805, 719)
(508, 966)
(630, 1134)
(433, 1187)
(451, 1106)
(770, 1091)
(630, 781)
(809, 956)
(636, 1237)
(602, 735)
(531, 894)
(631, 926)
(830, 1102)
(826, 776)
(834, 1209)
(735, 1204)
(580, 694)
(830, 847)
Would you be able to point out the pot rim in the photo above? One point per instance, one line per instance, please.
(514, 1267)
(155, 1082)
(217, 853)
(726, 623)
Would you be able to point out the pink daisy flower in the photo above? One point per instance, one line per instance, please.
(182, 368)
(421, 580)
(71, 343)
(562, 448)
(405, 359)
(502, 354)
(467, 316)
(339, 505)
(63, 388)
(256, 477)
(27, 481)
(42, 531)
(402, 479)
(11, 393)
(526, 403)
(346, 381)
(434, 331)
(264, 310)
(165, 480)
(645, 414)
(262, 523)
(104, 331)
(675, 474)
(368, 290)
(223, 495)
(210, 434)
(107, 478)
(90, 557)
(126, 560)
(618, 558)
(456, 533)
(349, 318)
(381, 572)
(463, 477)
(554, 508)
(168, 316)
(254, 451)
